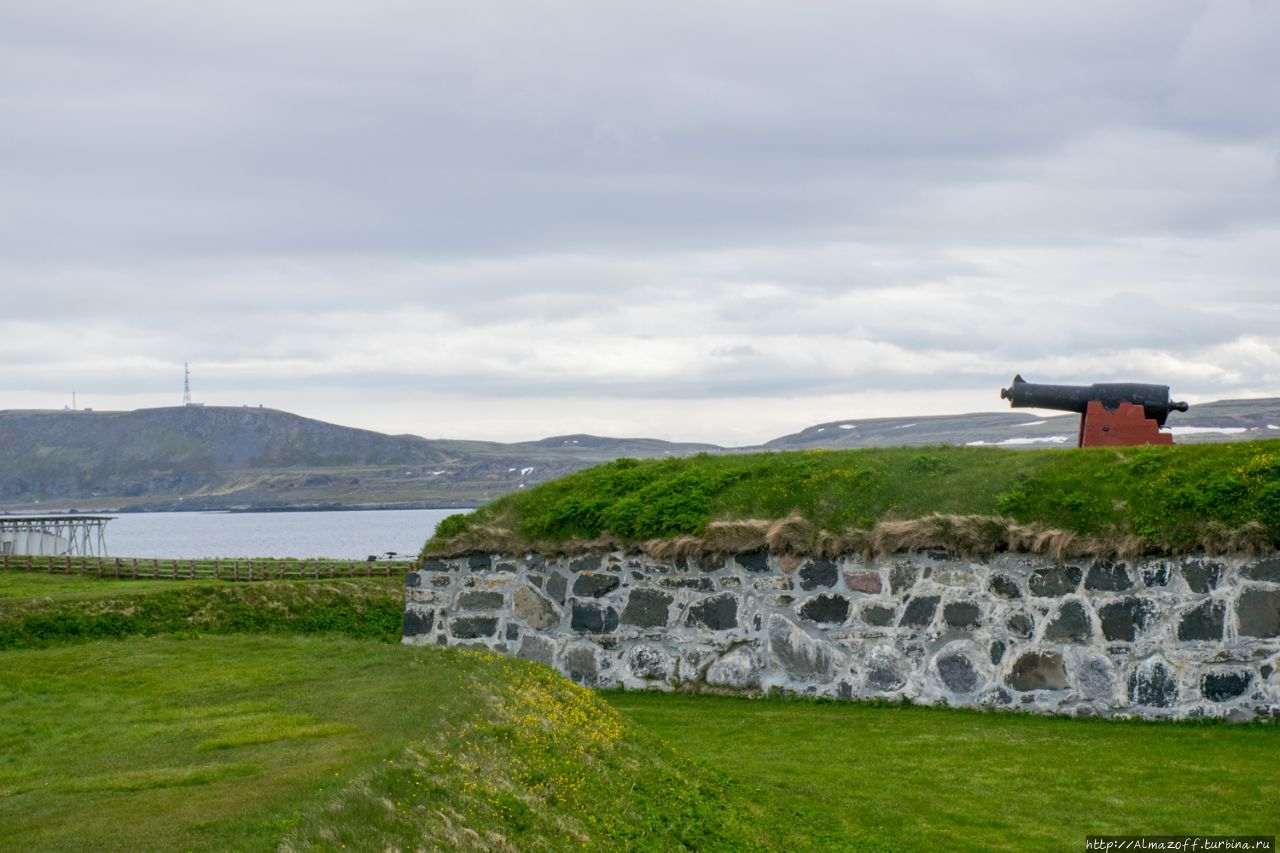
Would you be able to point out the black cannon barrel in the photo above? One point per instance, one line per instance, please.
(1154, 399)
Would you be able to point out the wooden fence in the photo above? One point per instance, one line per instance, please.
(140, 568)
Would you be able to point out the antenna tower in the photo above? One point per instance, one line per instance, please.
(186, 384)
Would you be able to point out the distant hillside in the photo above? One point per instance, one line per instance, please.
(216, 457)
(1226, 420)
(212, 457)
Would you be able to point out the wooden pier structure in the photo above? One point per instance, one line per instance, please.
(54, 535)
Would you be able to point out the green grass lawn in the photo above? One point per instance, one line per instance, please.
(212, 743)
(845, 776)
(41, 585)
(273, 731)
(304, 743)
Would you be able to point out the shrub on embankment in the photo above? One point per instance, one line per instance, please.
(1126, 501)
(364, 608)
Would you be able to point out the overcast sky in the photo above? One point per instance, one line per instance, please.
(710, 221)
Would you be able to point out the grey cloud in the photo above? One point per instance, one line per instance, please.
(573, 201)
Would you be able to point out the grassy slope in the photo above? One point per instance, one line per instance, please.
(853, 776)
(246, 743)
(256, 742)
(1161, 498)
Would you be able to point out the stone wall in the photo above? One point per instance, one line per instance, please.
(1186, 637)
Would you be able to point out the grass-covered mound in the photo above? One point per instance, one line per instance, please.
(307, 743)
(1127, 501)
(40, 610)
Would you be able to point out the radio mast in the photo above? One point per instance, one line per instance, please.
(186, 384)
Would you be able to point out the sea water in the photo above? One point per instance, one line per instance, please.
(349, 535)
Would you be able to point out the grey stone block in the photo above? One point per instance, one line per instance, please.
(647, 608)
(802, 656)
(585, 563)
(1267, 570)
(1258, 613)
(902, 577)
(534, 608)
(582, 664)
(1021, 625)
(736, 669)
(535, 648)
(651, 663)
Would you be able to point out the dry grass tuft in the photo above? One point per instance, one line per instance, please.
(1251, 540)
(737, 537)
(791, 535)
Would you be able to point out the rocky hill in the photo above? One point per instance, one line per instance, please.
(213, 457)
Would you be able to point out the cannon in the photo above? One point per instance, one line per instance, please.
(1111, 413)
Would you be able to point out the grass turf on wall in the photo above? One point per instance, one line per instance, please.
(1154, 499)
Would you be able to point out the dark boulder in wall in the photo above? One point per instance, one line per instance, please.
(1106, 576)
(1059, 580)
(1225, 686)
(1123, 619)
(920, 611)
(591, 618)
(475, 600)
(1153, 684)
(818, 573)
(1038, 671)
(1201, 575)
(647, 608)
(718, 613)
(1006, 586)
(958, 673)
(595, 585)
(1071, 625)
(1205, 622)
(826, 608)
(1258, 612)
(473, 627)
(417, 622)
(962, 614)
